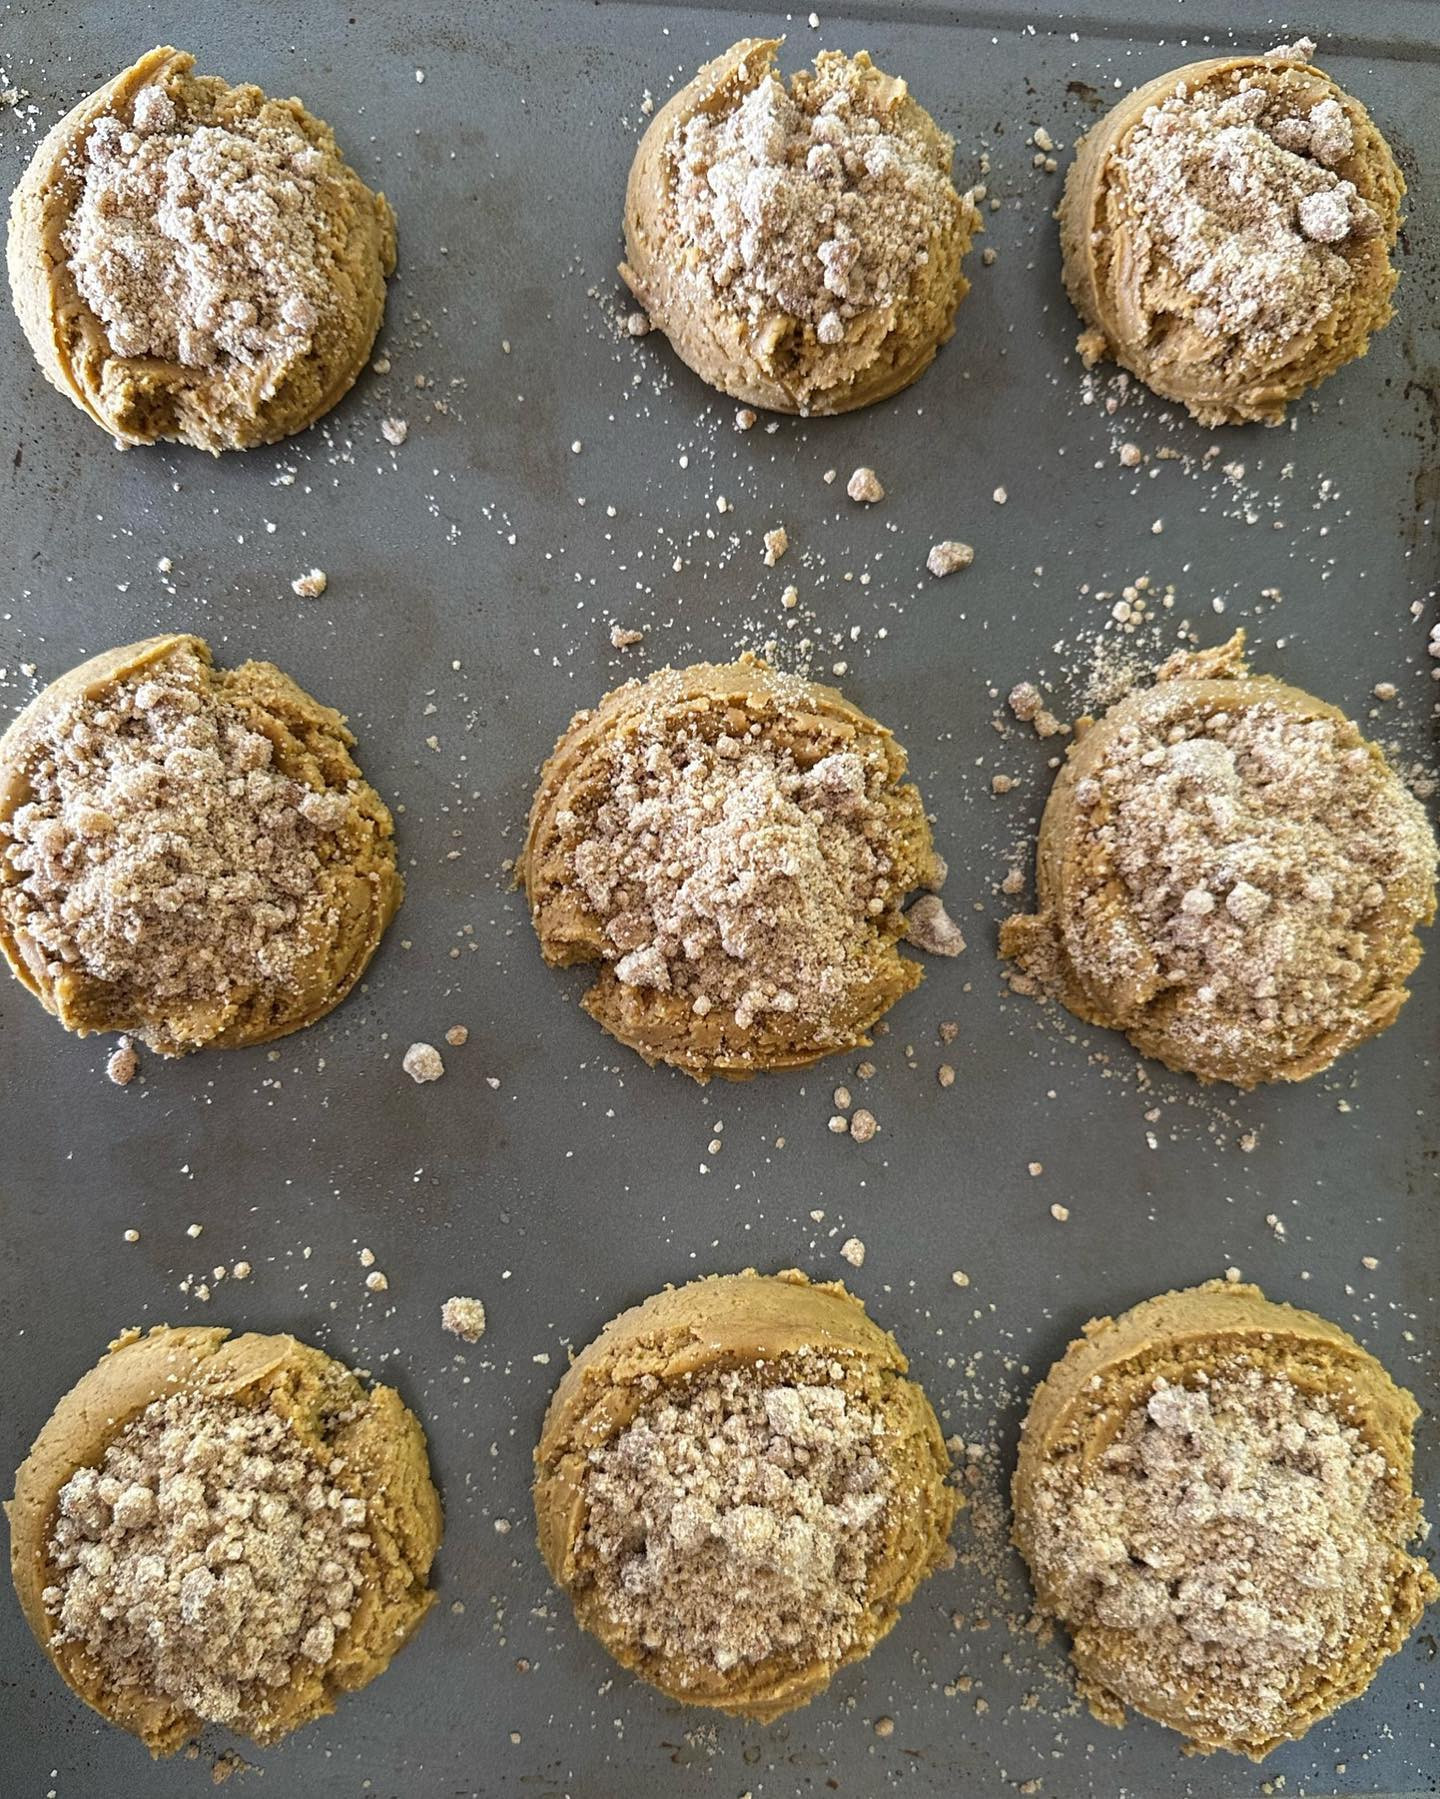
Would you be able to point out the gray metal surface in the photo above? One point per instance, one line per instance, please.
(582, 1181)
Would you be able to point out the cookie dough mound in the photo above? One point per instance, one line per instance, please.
(1226, 233)
(733, 846)
(1230, 874)
(738, 1488)
(222, 1530)
(1214, 1498)
(801, 246)
(197, 262)
(188, 853)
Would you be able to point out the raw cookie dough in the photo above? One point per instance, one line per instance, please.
(1214, 1497)
(799, 247)
(360, 1453)
(742, 1579)
(188, 853)
(1230, 874)
(733, 846)
(197, 262)
(1226, 232)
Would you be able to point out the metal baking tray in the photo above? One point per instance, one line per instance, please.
(469, 603)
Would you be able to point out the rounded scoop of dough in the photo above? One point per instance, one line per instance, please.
(1160, 1618)
(1230, 874)
(767, 1328)
(60, 943)
(365, 1439)
(799, 247)
(1232, 292)
(182, 358)
(813, 899)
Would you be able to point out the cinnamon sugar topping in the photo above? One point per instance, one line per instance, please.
(820, 201)
(208, 1559)
(736, 1518)
(1240, 1530)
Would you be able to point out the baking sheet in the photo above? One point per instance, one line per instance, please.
(470, 599)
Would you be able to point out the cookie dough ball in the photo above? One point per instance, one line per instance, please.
(197, 262)
(1230, 874)
(222, 1530)
(1214, 1498)
(738, 1488)
(733, 846)
(188, 853)
(800, 246)
(1226, 233)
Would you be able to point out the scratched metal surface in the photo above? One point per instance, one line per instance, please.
(469, 603)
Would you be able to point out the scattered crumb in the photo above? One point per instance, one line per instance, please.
(853, 1251)
(395, 431)
(863, 1126)
(422, 1062)
(456, 1035)
(311, 586)
(1060, 1213)
(864, 485)
(948, 556)
(930, 927)
(776, 544)
(123, 1064)
(463, 1318)
(622, 638)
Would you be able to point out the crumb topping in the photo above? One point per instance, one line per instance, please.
(820, 201)
(1255, 849)
(1240, 1529)
(161, 849)
(204, 244)
(1240, 215)
(737, 1518)
(209, 1558)
(728, 871)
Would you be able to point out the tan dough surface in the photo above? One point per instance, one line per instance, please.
(386, 1463)
(1084, 1402)
(1072, 874)
(361, 886)
(727, 1321)
(140, 400)
(779, 363)
(1109, 274)
(660, 1027)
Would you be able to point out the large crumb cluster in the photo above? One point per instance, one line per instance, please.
(820, 202)
(160, 849)
(738, 1517)
(1239, 1529)
(208, 1559)
(199, 243)
(726, 872)
(1255, 850)
(1238, 201)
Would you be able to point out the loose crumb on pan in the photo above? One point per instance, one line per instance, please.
(864, 485)
(930, 927)
(948, 556)
(209, 1558)
(464, 1318)
(853, 1251)
(736, 1518)
(776, 544)
(123, 1064)
(422, 1062)
(457, 1035)
(311, 585)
